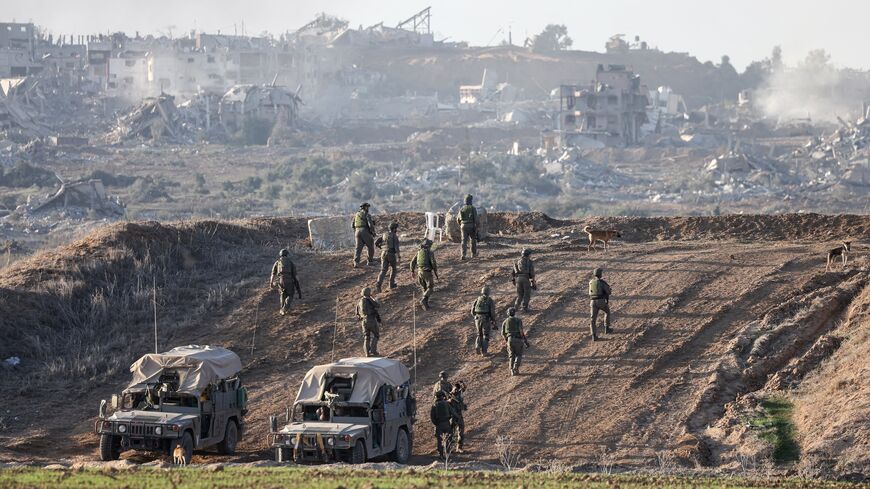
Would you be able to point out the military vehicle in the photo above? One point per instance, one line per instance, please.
(352, 410)
(189, 396)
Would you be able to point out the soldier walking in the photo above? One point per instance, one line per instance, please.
(285, 271)
(440, 414)
(389, 245)
(364, 232)
(467, 220)
(425, 268)
(599, 300)
(370, 320)
(458, 421)
(524, 279)
(515, 337)
(483, 311)
(442, 385)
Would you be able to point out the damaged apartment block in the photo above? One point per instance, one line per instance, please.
(611, 110)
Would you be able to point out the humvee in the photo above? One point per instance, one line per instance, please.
(189, 396)
(352, 410)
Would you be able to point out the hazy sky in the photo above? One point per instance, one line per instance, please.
(745, 30)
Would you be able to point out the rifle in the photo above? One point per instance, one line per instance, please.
(298, 289)
(526, 341)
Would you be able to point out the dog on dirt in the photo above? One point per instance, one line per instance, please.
(840, 251)
(178, 457)
(603, 235)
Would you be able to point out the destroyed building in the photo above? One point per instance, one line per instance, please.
(611, 110)
(263, 106)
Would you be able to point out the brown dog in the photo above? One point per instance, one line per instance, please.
(842, 250)
(178, 455)
(602, 235)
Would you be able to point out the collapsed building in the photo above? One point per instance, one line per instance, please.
(611, 110)
(264, 106)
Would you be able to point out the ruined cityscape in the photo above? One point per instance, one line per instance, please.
(149, 181)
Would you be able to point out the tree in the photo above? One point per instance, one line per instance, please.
(776, 58)
(553, 38)
(817, 60)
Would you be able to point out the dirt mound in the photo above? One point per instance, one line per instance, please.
(522, 222)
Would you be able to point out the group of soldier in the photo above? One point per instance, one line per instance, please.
(446, 411)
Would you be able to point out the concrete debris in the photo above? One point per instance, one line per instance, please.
(76, 199)
(155, 118)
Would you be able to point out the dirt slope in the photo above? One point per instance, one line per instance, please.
(684, 306)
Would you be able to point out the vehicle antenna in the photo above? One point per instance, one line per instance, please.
(414, 332)
(335, 329)
(154, 290)
(256, 322)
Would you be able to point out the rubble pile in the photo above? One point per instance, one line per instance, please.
(155, 118)
(739, 172)
(841, 158)
(74, 200)
(576, 171)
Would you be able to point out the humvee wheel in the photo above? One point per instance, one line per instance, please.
(403, 447)
(110, 447)
(358, 455)
(186, 443)
(227, 446)
(282, 454)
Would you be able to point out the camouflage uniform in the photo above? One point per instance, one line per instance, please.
(524, 279)
(483, 311)
(426, 269)
(389, 244)
(512, 330)
(440, 414)
(458, 421)
(285, 270)
(467, 220)
(443, 385)
(364, 232)
(599, 300)
(370, 320)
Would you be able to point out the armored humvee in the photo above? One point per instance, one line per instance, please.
(189, 396)
(352, 410)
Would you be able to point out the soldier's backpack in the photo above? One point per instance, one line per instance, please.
(424, 259)
(482, 305)
(595, 289)
(466, 214)
(285, 266)
(512, 326)
(522, 266)
(368, 306)
(442, 411)
(360, 221)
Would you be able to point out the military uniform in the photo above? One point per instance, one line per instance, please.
(389, 258)
(285, 271)
(426, 269)
(364, 232)
(458, 421)
(443, 385)
(370, 321)
(440, 414)
(468, 226)
(512, 330)
(483, 311)
(599, 300)
(524, 279)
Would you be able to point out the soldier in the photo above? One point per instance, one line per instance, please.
(443, 385)
(370, 320)
(524, 279)
(425, 267)
(389, 245)
(467, 220)
(458, 422)
(515, 337)
(364, 231)
(483, 311)
(440, 414)
(285, 270)
(599, 300)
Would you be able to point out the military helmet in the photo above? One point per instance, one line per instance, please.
(442, 374)
(468, 199)
(527, 251)
(440, 395)
(394, 225)
(425, 243)
(512, 311)
(364, 205)
(283, 252)
(485, 290)
(367, 291)
(598, 272)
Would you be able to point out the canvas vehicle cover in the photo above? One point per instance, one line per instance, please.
(197, 367)
(370, 373)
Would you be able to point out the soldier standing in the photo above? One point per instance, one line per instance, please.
(285, 270)
(364, 232)
(467, 220)
(458, 422)
(426, 269)
(389, 244)
(515, 337)
(443, 385)
(370, 320)
(440, 414)
(599, 300)
(524, 279)
(483, 311)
